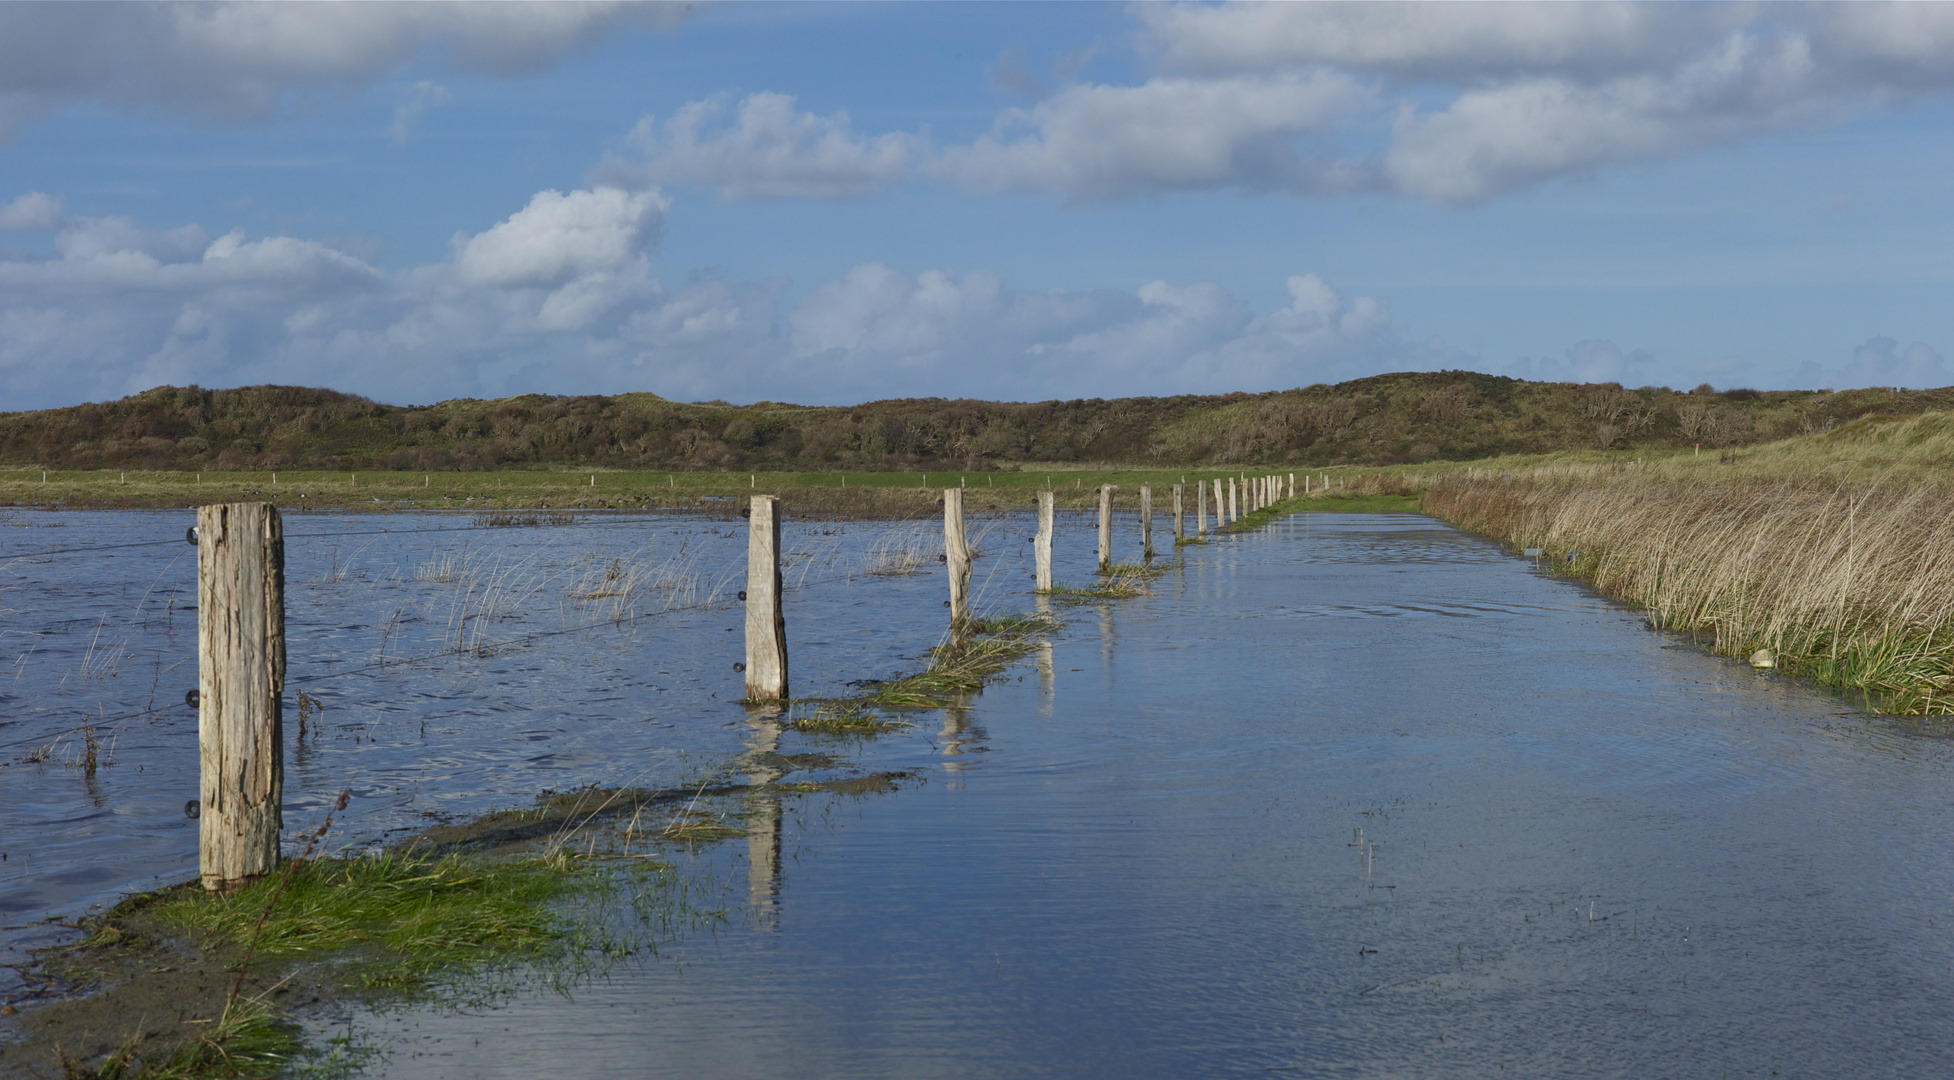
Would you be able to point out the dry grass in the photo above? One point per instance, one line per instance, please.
(910, 549)
(1833, 551)
(447, 568)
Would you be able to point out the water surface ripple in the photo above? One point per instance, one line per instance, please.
(1247, 826)
(1355, 796)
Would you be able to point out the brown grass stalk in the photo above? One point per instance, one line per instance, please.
(1846, 579)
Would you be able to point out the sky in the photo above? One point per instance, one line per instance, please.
(829, 204)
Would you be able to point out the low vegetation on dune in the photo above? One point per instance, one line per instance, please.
(1381, 420)
(1829, 555)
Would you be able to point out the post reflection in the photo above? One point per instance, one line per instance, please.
(763, 814)
(1047, 678)
(958, 738)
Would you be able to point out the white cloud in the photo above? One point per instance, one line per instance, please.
(33, 212)
(769, 151)
(1452, 102)
(1433, 40)
(1167, 134)
(1494, 140)
(236, 61)
(560, 298)
(1881, 362)
(559, 237)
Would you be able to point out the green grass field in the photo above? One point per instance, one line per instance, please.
(836, 494)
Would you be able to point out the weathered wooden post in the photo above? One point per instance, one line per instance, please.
(1292, 485)
(1041, 546)
(1105, 527)
(1220, 505)
(1146, 521)
(766, 624)
(1201, 508)
(956, 554)
(1232, 504)
(240, 680)
(1180, 512)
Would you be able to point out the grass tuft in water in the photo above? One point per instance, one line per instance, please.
(408, 916)
(962, 666)
(252, 1041)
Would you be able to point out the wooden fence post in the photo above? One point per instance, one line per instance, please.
(1201, 508)
(766, 624)
(956, 555)
(1146, 521)
(1232, 504)
(1180, 512)
(1106, 527)
(1219, 505)
(240, 680)
(1041, 546)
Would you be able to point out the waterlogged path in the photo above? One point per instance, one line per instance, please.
(1355, 797)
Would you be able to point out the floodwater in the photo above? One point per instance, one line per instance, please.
(1351, 796)
(459, 669)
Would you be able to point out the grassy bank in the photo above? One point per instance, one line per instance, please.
(1833, 553)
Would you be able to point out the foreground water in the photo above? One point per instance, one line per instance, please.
(1352, 796)
(1356, 796)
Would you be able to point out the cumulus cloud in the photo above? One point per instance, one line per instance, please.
(1881, 362)
(770, 150)
(1497, 139)
(560, 297)
(1165, 135)
(1451, 103)
(1433, 40)
(560, 237)
(33, 212)
(236, 61)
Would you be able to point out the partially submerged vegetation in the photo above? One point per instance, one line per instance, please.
(178, 983)
(955, 670)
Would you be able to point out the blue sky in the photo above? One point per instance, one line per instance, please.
(833, 203)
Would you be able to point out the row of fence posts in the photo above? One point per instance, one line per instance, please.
(241, 643)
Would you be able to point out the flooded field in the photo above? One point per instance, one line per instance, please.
(1357, 795)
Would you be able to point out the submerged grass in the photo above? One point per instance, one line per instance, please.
(252, 1041)
(956, 669)
(406, 917)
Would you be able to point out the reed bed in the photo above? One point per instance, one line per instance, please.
(1841, 570)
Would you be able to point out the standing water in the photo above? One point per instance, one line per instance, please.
(1351, 796)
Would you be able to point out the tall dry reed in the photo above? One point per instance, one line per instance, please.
(1845, 575)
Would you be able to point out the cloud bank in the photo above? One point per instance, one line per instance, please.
(561, 297)
(1445, 102)
(241, 61)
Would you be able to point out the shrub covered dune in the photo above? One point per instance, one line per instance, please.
(1383, 420)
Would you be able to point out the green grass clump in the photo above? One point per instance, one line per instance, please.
(1110, 589)
(962, 666)
(251, 1041)
(841, 718)
(409, 916)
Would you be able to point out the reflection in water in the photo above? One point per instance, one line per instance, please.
(1047, 678)
(763, 815)
(958, 732)
(1538, 841)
